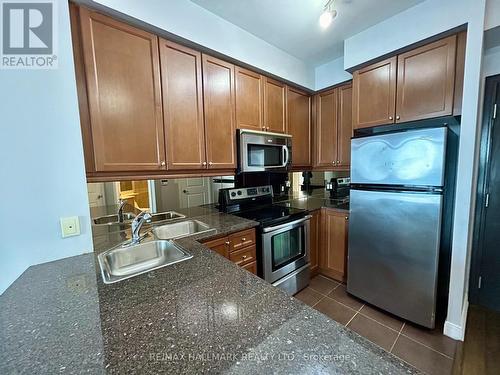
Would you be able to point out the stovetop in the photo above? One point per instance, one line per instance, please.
(271, 214)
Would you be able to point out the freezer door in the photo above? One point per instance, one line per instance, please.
(414, 158)
(394, 250)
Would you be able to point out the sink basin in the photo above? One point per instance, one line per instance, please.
(113, 219)
(163, 216)
(181, 229)
(125, 262)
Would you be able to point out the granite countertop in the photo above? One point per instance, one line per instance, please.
(312, 200)
(202, 315)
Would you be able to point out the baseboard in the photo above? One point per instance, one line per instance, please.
(456, 331)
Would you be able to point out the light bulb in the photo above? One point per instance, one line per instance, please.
(326, 18)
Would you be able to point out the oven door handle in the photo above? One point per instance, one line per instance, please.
(285, 156)
(272, 229)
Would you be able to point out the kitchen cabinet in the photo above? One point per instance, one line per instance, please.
(333, 128)
(124, 131)
(299, 126)
(333, 250)
(182, 106)
(249, 100)
(218, 94)
(239, 247)
(274, 106)
(344, 128)
(374, 94)
(426, 81)
(414, 85)
(326, 129)
(314, 243)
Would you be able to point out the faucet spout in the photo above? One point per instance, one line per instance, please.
(137, 224)
(122, 203)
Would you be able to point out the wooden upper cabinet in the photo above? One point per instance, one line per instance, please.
(124, 96)
(374, 94)
(333, 253)
(299, 126)
(344, 126)
(218, 94)
(325, 129)
(274, 106)
(249, 100)
(426, 81)
(182, 106)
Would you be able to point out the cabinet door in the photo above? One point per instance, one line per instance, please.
(182, 106)
(123, 85)
(218, 94)
(315, 241)
(274, 106)
(426, 81)
(249, 100)
(344, 132)
(374, 94)
(326, 129)
(219, 245)
(299, 126)
(333, 256)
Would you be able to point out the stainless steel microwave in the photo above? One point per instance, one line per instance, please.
(263, 151)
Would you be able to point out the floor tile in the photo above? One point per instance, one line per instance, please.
(309, 296)
(432, 338)
(373, 331)
(423, 358)
(340, 294)
(335, 310)
(323, 285)
(382, 317)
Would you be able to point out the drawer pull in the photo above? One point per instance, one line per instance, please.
(243, 239)
(228, 243)
(244, 257)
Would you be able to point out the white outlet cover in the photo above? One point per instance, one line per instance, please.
(70, 226)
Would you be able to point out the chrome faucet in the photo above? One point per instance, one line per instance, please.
(137, 223)
(122, 203)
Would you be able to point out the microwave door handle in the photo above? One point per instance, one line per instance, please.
(285, 156)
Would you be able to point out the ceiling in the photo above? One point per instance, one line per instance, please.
(292, 25)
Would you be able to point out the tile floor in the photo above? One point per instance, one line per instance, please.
(428, 350)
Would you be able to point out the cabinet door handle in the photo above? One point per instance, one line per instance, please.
(204, 163)
(347, 217)
(267, 128)
(163, 163)
(244, 257)
(210, 163)
(390, 117)
(263, 128)
(397, 117)
(227, 243)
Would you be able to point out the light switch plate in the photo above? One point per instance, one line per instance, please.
(70, 226)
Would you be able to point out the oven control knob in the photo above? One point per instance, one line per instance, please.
(239, 192)
(233, 194)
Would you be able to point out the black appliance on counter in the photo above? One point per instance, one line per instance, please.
(282, 236)
(339, 188)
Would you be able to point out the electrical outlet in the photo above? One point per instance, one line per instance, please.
(70, 226)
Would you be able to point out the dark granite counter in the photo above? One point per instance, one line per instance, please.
(312, 200)
(204, 315)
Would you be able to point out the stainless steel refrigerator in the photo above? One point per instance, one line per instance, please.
(395, 226)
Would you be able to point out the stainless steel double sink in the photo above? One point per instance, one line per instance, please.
(155, 251)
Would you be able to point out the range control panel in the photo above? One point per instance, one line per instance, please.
(235, 197)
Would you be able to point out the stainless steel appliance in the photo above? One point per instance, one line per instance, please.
(339, 188)
(283, 235)
(396, 220)
(263, 151)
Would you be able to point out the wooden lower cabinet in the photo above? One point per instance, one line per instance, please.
(333, 244)
(238, 247)
(314, 243)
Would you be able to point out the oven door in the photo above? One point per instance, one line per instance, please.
(285, 248)
(260, 151)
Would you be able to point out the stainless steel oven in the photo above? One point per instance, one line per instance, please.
(263, 151)
(285, 249)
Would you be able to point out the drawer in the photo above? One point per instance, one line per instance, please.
(243, 256)
(241, 239)
(251, 267)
